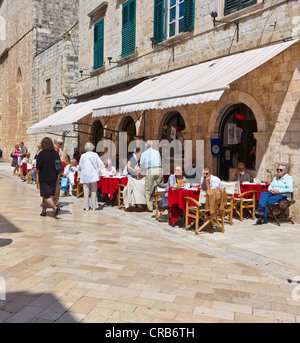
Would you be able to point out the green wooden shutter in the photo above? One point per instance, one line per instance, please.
(98, 44)
(236, 5)
(158, 32)
(128, 28)
(189, 15)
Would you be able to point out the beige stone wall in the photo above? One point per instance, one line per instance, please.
(15, 71)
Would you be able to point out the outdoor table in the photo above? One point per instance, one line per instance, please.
(110, 184)
(245, 187)
(176, 197)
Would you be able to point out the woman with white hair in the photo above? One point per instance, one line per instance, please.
(108, 169)
(90, 166)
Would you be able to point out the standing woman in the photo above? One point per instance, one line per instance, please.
(90, 166)
(15, 163)
(47, 175)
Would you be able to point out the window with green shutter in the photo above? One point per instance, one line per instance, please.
(178, 16)
(236, 5)
(128, 28)
(98, 44)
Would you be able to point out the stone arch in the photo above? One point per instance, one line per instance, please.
(182, 111)
(261, 136)
(233, 98)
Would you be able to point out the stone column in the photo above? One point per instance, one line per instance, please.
(262, 141)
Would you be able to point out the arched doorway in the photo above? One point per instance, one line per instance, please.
(97, 132)
(174, 120)
(238, 144)
(172, 129)
(129, 128)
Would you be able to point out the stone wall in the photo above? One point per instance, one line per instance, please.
(55, 74)
(15, 72)
(37, 43)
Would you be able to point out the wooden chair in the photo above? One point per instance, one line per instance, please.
(120, 195)
(210, 215)
(159, 210)
(79, 189)
(29, 177)
(230, 188)
(240, 203)
(279, 210)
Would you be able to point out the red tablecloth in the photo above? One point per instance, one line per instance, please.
(255, 187)
(177, 201)
(110, 185)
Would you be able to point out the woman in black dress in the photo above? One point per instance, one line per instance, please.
(47, 175)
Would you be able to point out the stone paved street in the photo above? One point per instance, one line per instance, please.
(112, 266)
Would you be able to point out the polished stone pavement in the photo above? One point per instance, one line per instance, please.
(114, 266)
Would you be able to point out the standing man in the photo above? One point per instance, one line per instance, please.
(21, 157)
(58, 143)
(280, 189)
(151, 161)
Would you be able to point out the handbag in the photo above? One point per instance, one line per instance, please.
(58, 166)
(64, 185)
(163, 203)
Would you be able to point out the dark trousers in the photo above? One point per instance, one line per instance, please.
(267, 199)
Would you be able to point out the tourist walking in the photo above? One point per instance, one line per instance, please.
(90, 166)
(15, 156)
(47, 175)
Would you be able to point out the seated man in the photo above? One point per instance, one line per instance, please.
(108, 169)
(241, 175)
(280, 189)
(209, 181)
(133, 163)
(70, 171)
(173, 178)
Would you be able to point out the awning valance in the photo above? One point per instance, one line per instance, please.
(64, 119)
(192, 85)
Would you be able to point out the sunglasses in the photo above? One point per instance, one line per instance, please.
(280, 170)
(205, 173)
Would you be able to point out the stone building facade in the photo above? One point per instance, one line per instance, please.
(268, 95)
(38, 66)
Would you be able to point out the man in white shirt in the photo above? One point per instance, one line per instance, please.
(209, 181)
(70, 172)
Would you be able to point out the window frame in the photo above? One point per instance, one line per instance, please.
(233, 6)
(176, 20)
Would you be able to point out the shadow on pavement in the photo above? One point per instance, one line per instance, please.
(7, 226)
(23, 307)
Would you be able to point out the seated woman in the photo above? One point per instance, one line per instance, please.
(241, 175)
(173, 178)
(108, 169)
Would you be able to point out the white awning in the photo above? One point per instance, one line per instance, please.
(192, 85)
(64, 119)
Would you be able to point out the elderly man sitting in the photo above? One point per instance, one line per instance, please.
(173, 178)
(280, 189)
(241, 175)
